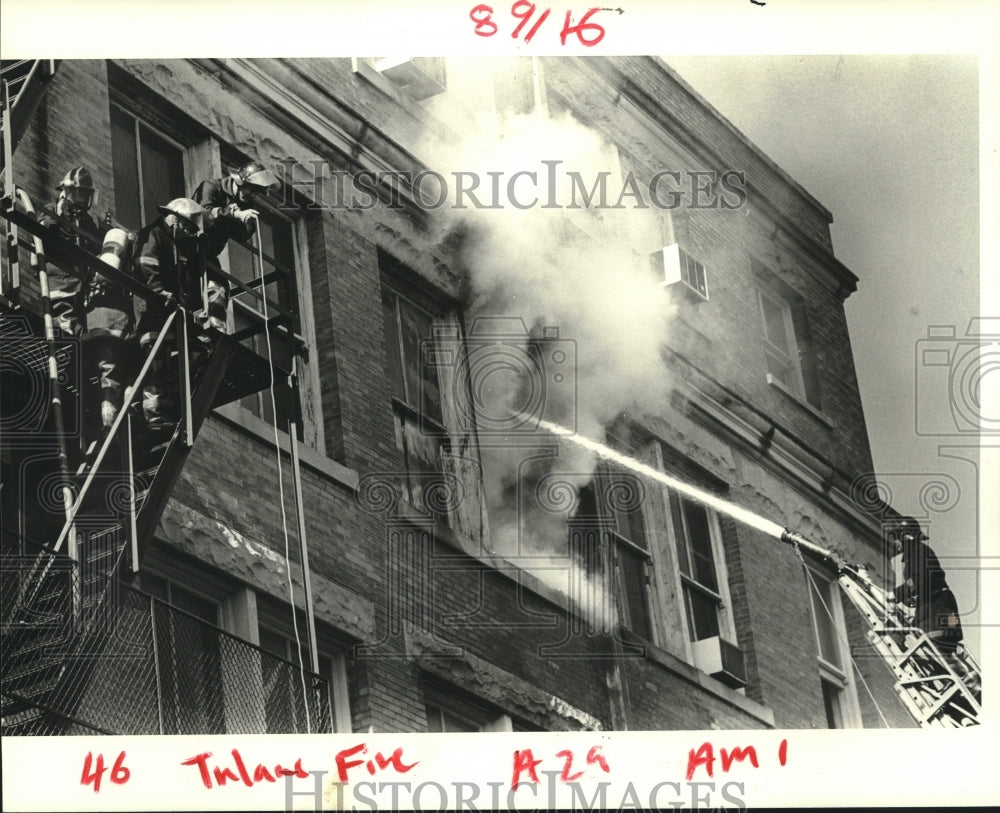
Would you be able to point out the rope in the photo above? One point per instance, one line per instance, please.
(840, 635)
(281, 485)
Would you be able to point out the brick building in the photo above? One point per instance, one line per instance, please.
(469, 567)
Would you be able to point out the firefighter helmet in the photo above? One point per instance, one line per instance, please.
(906, 528)
(185, 209)
(77, 178)
(255, 174)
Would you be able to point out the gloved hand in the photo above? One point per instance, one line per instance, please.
(243, 215)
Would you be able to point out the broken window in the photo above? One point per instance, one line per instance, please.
(420, 434)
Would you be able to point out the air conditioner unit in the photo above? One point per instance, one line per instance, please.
(421, 77)
(672, 265)
(722, 660)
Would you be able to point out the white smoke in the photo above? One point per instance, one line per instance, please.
(580, 271)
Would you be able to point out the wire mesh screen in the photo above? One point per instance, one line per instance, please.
(132, 664)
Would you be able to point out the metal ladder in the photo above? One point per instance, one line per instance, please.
(938, 689)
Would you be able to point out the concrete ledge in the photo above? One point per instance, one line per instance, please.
(263, 569)
(235, 415)
(495, 685)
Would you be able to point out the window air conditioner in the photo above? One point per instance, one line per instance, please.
(672, 265)
(421, 77)
(722, 660)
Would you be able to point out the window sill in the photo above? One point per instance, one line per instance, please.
(235, 415)
(799, 401)
(675, 665)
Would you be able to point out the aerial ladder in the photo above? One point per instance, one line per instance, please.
(941, 688)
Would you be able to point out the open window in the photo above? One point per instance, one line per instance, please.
(840, 700)
(788, 347)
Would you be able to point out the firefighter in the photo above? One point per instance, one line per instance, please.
(108, 346)
(923, 585)
(73, 221)
(229, 214)
(166, 259)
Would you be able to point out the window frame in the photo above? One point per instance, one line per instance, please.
(790, 356)
(801, 358)
(621, 540)
(406, 412)
(681, 581)
(145, 218)
(302, 310)
(335, 672)
(833, 677)
(480, 715)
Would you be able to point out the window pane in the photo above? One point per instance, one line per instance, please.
(241, 266)
(421, 378)
(832, 705)
(781, 369)
(162, 172)
(828, 642)
(683, 558)
(422, 459)
(205, 609)
(273, 642)
(633, 572)
(774, 323)
(393, 360)
(703, 615)
(126, 169)
(628, 512)
(700, 541)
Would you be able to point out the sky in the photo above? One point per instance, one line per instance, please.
(890, 145)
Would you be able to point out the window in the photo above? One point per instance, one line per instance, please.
(450, 710)
(277, 236)
(787, 346)
(833, 655)
(696, 535)
(282, 686)
(631, 550)
(282, 682)
(416, 396)
(148, 169)
(189, 658)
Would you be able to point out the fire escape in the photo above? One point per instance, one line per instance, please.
(83, 650)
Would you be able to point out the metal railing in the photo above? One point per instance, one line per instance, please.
(138, 665)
